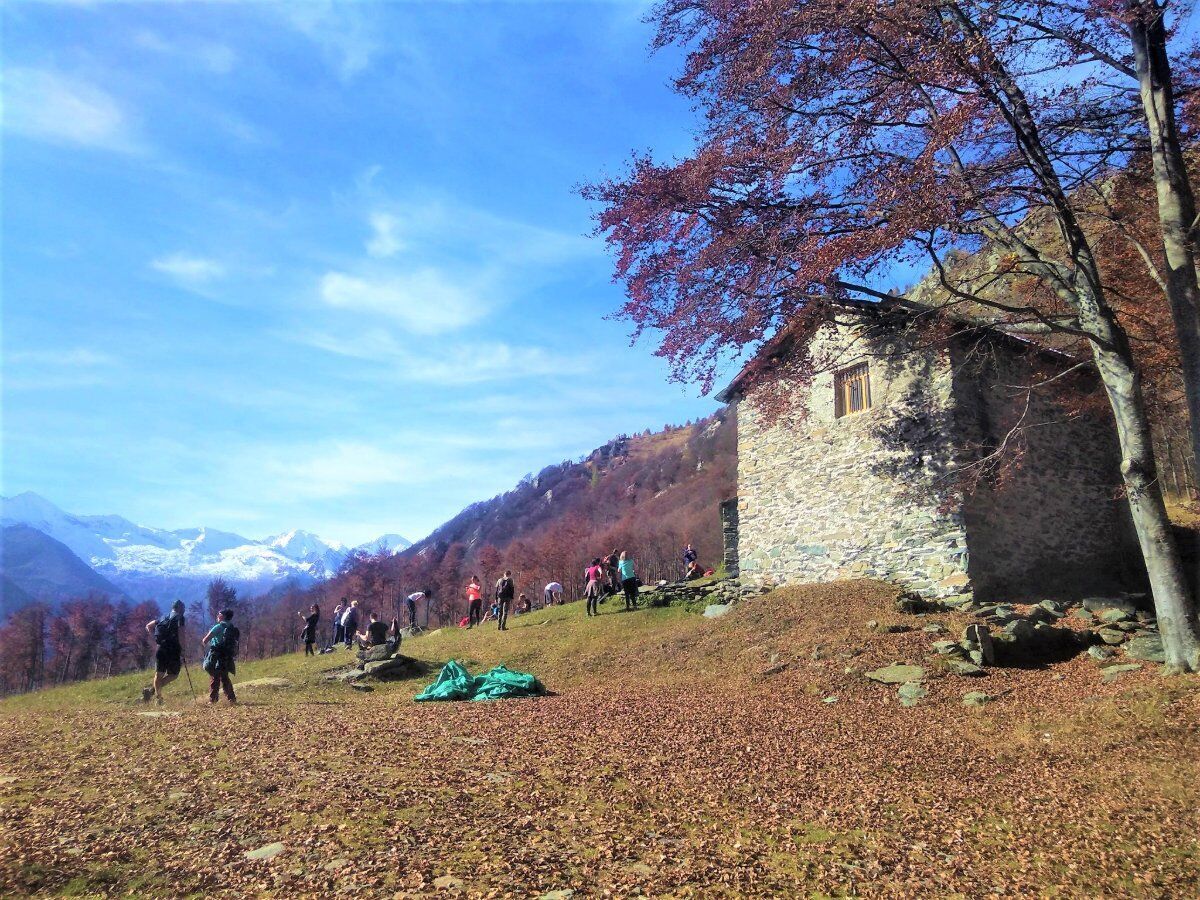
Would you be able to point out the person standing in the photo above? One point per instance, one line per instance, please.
(506, 589)
(552, 594)
(474, 602)
(689, 557)
(594, 588)
(220, 658)
(309, 634)
(614, 578)
(350, 623)
(168, 658)
(338, 633)
(629, 582)
(411, 603)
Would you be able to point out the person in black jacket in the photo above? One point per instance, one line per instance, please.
(309, 634)
(167, 633)
(506, 589)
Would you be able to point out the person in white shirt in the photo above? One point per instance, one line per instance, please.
(552, 594)
(350, 623)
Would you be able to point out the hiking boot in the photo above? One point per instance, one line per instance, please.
(160, 700)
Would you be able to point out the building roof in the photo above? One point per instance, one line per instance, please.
(780, 344)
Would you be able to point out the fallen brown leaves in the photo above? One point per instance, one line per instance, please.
(705, 778)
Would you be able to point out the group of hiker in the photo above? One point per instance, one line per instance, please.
(346, 620)
(220, 646)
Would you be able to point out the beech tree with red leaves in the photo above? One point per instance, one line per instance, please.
(843, 138)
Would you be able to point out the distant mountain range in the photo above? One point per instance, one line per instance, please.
(150, 563)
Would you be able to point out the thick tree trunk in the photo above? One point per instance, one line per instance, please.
(1176, 201)
(1173, 603)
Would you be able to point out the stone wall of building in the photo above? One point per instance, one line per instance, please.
(823, 498)
(1055, 524)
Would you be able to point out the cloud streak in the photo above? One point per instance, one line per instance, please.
(424, 301)
(56, 108)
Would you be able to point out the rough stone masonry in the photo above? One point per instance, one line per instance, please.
(876, 493)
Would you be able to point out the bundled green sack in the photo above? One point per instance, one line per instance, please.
(454, 682)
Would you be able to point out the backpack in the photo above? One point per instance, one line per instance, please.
(166, 630)
(225, 642)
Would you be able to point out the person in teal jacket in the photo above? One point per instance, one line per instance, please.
(220, 656)
(629, 582)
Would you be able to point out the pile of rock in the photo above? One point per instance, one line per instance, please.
(712, 591)
(382, 663)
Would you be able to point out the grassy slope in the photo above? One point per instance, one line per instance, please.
(666, 763)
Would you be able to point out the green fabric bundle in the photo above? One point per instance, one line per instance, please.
(454, 682)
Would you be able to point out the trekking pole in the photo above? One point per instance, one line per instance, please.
(187, 672)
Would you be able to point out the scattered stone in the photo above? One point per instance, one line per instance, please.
(264, 682)
(161, 714)
(1019, 630)
(1100, 652)
(1147, 647)
(339, 862)
(774, 670)
(1111, 635)
(893, 629)
(396, 667)
(498, 777)
(1039, 614)
(358, 686)
(975, 698)
(899, 674)
(347, 675)
(962, 667)
(1112, 616)
(831, 699)
(466, 739)
(1084, 615)
(716, 610)
(818, 653)
(911, 693)
(1099, 603)
(447, 883)
(934, 629)
(947, 648)
(178, 795)
(269, 851)
(981, 637)
(872, 624)
(640, 868)
(560, 894)
(1112, 673)
(1056, 609)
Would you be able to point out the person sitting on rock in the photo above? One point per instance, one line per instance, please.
(694, 571)
(376, 633)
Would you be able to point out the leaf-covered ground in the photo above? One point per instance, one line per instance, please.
(668, 764)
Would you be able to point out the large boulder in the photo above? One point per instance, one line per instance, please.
(1148, 647)
(395, 667)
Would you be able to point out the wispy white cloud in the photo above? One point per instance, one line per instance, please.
(343, 32)
(423, 301)
(188, 270)
(213, 56)
(338, 469)
(67, 357)
(384, 240)
(58, 108)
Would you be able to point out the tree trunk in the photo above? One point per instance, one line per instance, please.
(1173, 603)
(1176, 201)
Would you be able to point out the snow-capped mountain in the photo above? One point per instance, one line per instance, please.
(156, 563)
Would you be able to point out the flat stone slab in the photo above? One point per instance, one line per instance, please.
(161, 714)
(897, 674)
(975, 698)
(269, 851)
(969, 670)
(265, 682)
(1112, 673)
(911, 693)
(716, 610)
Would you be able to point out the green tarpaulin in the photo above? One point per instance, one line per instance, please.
(454, 682)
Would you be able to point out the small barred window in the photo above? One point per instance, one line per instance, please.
(851, 390)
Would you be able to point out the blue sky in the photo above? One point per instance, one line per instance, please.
(317, 265)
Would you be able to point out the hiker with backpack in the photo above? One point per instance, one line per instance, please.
(506, 589)
(594, 574)
(167, 634)
(309, 634)
(220, 656)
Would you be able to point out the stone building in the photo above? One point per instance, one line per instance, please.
(880, 470)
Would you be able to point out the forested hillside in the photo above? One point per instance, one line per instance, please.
(648, 494)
